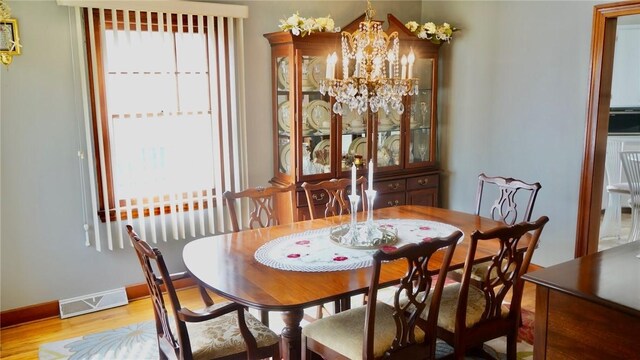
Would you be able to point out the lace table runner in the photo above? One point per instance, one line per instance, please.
(313, 251)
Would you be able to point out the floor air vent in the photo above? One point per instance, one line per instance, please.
(93, 302)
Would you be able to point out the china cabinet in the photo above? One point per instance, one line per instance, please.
(312, 143)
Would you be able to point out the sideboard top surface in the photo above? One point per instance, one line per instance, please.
(610, 277)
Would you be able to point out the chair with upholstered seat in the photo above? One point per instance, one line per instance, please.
(379, 330)
(468, 315)
(504, 209)
(219, 331)
(335, 193)
(262, 211)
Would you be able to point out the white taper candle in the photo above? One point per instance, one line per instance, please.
(370, 174)
(353, 179)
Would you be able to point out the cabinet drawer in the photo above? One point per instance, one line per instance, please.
(319, 197)
(383, 187)
(388, 200)
(424, 197)
(422, 182)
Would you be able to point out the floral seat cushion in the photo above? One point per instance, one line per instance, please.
(221, 336)
(344, 332)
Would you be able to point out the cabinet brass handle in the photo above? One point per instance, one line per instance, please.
(424, 181)
(318, 198)
(393, 203)
(394, 186)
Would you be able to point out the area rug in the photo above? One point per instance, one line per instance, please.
(138, 342)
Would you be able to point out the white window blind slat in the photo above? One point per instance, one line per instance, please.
(174, 216)
(180, 199)
(163, 219)
(215, 116)
(103, 177)
(82, 76)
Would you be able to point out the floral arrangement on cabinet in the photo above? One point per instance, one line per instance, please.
(301, 26)
(431, 31)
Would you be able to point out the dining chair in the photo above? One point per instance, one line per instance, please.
(262, 212)
(379, 330)
(504, 209)
(219, 331)
(611, 221)
(262, 209)
(334, 194)
(470, 315)
(631, 166)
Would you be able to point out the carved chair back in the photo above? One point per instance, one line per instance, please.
(503, 276)
(505, 207)
(262, 208)
(151, 261)
(336, 191)
(411, 297)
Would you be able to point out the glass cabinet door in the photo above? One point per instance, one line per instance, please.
(353, 140)
(389, 149)
(315, 121)
(420, 146)
(284, 113)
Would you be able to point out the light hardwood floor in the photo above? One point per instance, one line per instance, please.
(23, 341)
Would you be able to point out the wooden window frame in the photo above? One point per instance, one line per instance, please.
(186, 205)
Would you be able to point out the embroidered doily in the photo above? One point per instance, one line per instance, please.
(313, 251)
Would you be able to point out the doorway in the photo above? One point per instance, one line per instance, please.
(605, 20)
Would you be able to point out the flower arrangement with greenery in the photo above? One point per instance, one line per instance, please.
(431, 31)
(301, 26)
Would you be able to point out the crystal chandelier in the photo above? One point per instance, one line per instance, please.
(380, 78)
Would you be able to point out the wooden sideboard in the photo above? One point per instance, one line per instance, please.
(589, 307)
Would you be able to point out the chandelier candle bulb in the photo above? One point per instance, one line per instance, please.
(334, 61)
(345, 69)
(411, 59)
(327, 70)
(403, 61)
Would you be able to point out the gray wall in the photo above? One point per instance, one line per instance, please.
(513, 103)
(513, 98)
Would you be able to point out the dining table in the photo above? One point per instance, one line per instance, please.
(237, 265)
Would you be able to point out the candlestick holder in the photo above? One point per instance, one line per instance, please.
(353, 228)
(365, 235)
(371, 197)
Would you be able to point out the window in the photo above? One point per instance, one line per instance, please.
(165, 118)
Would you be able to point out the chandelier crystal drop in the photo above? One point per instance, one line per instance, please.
(379, 79)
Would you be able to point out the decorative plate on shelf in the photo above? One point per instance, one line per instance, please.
(283, 117)
(316, 71)
(283, 73)
(359, 146)
(306, 127)
(392, 143)
(285, 158)
(391, 118)
(324, 144)
(348, 120)
(318, 113)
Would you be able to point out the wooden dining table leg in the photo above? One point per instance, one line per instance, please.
(291, 334)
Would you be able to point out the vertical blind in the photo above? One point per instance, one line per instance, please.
(172, 132)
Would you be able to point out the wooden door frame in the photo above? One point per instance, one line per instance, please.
(605, 19)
